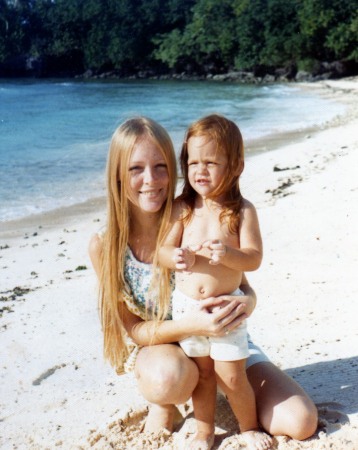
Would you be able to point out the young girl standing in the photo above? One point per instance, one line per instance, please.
(214, 237)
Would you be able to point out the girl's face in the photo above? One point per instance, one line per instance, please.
(148, 178)
(207, 165)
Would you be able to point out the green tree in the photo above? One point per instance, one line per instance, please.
(343, 40)
(204, 40)
(281, 33)
(329, 29)
(196, 35)
(14, 29)
(250, 32)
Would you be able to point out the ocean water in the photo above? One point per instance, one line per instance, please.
(54, 135)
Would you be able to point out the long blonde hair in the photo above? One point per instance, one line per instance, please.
(116, 237)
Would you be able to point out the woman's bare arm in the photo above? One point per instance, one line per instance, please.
(95, 252)
(249, 297)
(202, 322)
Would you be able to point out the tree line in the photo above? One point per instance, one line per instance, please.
(151, 37)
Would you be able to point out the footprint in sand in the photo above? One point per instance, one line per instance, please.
(331, 417)
(128, 433)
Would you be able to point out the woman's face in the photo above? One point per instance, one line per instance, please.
(148, 179)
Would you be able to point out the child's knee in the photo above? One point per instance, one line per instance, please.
(233, 380)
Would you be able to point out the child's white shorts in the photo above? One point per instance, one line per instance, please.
(231, 347)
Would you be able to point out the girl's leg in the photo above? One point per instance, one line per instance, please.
(166, 377)
(204, 400)
(232, 379)
(283, 406)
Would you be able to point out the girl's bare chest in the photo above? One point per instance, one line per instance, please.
(203, 227)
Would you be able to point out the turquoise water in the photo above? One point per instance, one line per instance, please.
(54, 135)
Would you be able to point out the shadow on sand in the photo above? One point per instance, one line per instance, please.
(330, 382)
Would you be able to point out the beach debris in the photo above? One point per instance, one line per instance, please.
(78, 268)
(47, 374)
(280, 191)
(12, 295)
(281, 169)
(6, 309)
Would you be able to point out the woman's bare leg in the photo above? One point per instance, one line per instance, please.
(283, 407)
(166, 377)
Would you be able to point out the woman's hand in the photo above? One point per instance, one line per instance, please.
(217, 316)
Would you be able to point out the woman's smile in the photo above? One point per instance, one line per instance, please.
(148, 176)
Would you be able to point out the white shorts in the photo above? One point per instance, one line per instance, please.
(231, 347)
(256, 354)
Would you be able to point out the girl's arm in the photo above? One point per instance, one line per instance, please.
(249, 256)
(170, 254)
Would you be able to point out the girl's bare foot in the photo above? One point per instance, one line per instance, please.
(161, 416)
(202, 441)
(257, 440)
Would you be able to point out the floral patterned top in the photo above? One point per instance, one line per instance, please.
(138, 276)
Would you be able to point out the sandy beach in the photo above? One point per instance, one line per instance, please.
(56, 391)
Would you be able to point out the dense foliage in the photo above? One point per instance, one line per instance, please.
(195, 36)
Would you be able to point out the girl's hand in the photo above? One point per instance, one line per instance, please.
(217, 250)
(184, 257)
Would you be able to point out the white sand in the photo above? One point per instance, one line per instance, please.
(56, 390)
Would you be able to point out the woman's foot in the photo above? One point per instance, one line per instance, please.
(202, 441)
(159, 417)
(257, 440)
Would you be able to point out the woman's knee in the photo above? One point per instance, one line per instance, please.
(302, 423)
(283, 406)
(295, 418)
(166, 375)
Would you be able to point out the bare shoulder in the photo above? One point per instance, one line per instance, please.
(95, 248)
(178, 207)
(247, 207)
(95, 244)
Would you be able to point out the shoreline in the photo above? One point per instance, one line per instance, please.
(58, 392)
(328, 89)
(51, 219)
